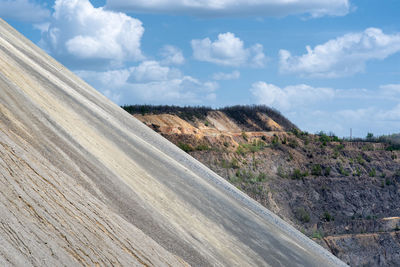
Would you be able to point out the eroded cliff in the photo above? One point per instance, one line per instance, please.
(342, 194)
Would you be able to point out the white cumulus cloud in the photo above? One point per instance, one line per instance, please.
(328, 109)
(23, 10)
(274, 8)
(391, 115)
(149, 71)
(290, 96)
(391, 90)
(172, 55)
(228, 50)
(343, 56)
(234, 75)
(151, 82)
(82, 31)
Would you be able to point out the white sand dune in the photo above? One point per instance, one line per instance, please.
(83, 182)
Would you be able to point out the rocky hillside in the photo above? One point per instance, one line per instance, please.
(342, 194)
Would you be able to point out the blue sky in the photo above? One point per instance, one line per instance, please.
(327, 65)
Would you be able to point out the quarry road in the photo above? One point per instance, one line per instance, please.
(108, 190)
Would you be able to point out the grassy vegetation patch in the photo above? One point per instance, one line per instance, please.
(316, 170)
(302, 215)
(185, 147)
(255, 146)
(298, 174)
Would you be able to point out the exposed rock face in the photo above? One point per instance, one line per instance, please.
(83, 182)
(48, 219)
(379, 249)
(345, 195)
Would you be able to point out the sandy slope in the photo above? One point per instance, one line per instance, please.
(83, 181)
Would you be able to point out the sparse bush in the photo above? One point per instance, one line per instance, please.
(368, 147)
(185, 147)
(275, 142)
(297, 174)
(255, 146)
(343, 172)
(339, 147)
(293, 143)
(248, 177)
(234, 164)
(327, 171)
(316, 170)
(240, 150)
(393, 147)
(284, 141)
(302, 215)
(372, 173)
(318, 235)
(306, 141)
(261, 177)
(323, 138)
(360, 160)
(296, 132)
(224, 164)
(357, 172)
(245, 137)
(327, 216)
(238, 173)
(236, 180)
(334, 138)
(202, 147)
(281, 173)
